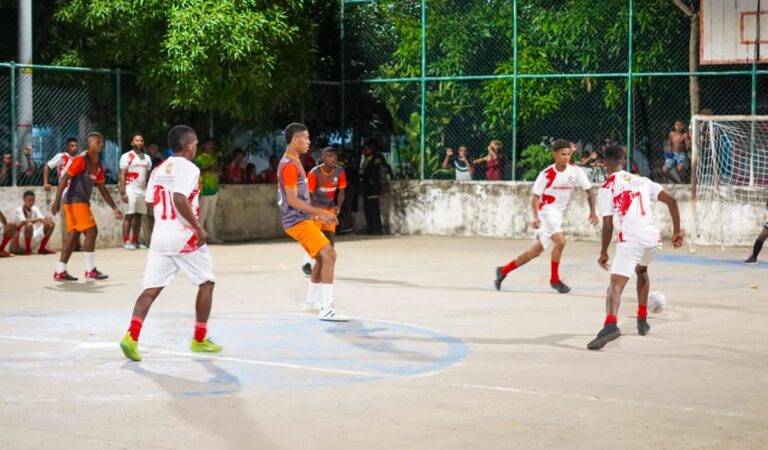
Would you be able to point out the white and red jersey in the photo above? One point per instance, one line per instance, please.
(555, 189)
(21, 215)
(136, 167)
(628, 197)
(172, 235)
(60, 162)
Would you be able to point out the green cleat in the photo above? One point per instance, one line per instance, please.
(207, 346)
(130, 348)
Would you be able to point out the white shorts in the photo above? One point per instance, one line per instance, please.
(136, 203)
(630, 255)
(162, 269)
(550, 224)
(17, 244)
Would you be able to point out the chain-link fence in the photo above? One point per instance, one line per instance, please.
(502, 78)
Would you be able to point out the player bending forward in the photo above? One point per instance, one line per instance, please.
(299, 217)
(178, 241)
(552, 192)
(629, 197)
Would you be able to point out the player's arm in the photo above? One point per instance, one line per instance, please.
(607, 236)
(122, 176)
(3, 220)
(340, 199)
(108, 198)
(184, 209)
(292, 197)
(674, 211)
(448, 154)
(56, 205)
(46, 185)
(535, 208)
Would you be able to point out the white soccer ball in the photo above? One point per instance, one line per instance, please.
(657, 301)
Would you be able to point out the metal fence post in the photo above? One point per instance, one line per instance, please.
(119, 108)
(13, 124)
(423, 122)
(514, 91)
(630, 77)
(343, 75)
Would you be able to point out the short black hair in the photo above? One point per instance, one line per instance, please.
(71, 139)
(133, 135)
(560, 144)
(292, 129)
(93, 134)
(330, 150)
(28, 194)
(614, 153)
(373, 144)
(178, 136)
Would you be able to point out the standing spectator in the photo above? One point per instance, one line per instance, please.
(269, 175)
(234, 172)
(155, 156)
(676, 157)
(494, 161)
(35, 227)
(209, 179)
(25, 169)
(7, 230)
(461, 164)
(135, 166)
(60, 161)
(373, 169)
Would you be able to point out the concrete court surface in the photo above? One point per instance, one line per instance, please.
(434, 359)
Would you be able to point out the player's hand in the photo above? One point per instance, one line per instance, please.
(118, 214)
(677, 239)
(202, 236)
(47, 186)
(602, 261)
(328, 218)
(55, 208)
(336, 210)
(124, 197)
(593, 220)
(536, 223)
(449, 152)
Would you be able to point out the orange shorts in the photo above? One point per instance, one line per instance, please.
(323, 226)
(79, 216)
(308, 234)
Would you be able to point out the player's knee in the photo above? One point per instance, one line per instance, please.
(208, 285)
(641, 270)
(28, 228)
(328, 254)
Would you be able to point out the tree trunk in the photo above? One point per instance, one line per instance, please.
(693, 64)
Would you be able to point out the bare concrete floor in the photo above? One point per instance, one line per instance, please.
(435, 358)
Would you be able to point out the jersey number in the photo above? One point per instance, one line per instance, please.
(161, 196)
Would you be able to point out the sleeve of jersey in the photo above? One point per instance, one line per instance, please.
(604, 202)
(186, 180)
(37, 214)
(77, 167)
(312, 182)
(290, 176)
(654, 189)
(124, 161)
(102, 177)
(18, 216)
(55, 161)
(540, 184)
(343, 179)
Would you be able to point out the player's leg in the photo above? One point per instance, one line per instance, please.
(327, 256)
(558, 241)
(28, 232)
(198, 267)
(136, 229)
(8, 231)
(643, 288)
(73, 238)
(306, 265)
(127, 229)
(313, 291)
(758, 246)
(522, 259)
(48, 227)
(89, 250)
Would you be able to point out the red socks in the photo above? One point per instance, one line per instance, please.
(642, 311)
(201, 329)
(28, 244)
(135, 328)
(6, 240)
(610, 318)
(555, 275)
(43, 243)
(135, 240)
(509, 267)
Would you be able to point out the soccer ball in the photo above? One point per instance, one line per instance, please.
(657, 301)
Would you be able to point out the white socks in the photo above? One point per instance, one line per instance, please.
(327, 292)
(307, 259)
(90, 261)
(62, 267)
(312, 293)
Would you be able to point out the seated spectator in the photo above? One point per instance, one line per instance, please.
(460, 163)
(494, 161)
(7, 231)
(269, 175)
(234, 172)
(33, 228)
(250, 176)
(676, 157)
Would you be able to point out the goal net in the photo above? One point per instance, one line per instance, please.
(729, 182)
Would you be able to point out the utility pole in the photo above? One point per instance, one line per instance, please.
(24, 93)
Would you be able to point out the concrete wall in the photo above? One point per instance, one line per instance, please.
(481, 208)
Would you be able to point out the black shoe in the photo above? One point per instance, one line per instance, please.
(642, 327)
(307, 269)
(607, 334)
(499, 278)
(560, 287)
(751, 260)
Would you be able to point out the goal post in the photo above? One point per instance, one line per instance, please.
(729, 178)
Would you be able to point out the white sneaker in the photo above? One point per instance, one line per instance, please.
(129, 246)
(330, 315)
(142, 247)
(311, 307)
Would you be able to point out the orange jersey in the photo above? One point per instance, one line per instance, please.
(323, 186)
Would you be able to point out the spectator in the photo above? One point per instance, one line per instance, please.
(676, 157)
(7, 231)
(153, 150)
(234, 172)
(250, 176)
(373, 169)
(209, 179)
(494, 161)
(135, 167)
(464, 170)
(33, 226)
(307, 159)
(269, 175)
(60, 161)
(25, 169)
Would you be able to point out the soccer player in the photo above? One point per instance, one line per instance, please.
(628, 197)
(35, 227)
(552, 192)
(7, 231)
(327, 183)
(301, 220)
(178, 241)
(135, 166)
(758, 245)
(84, 172)
(60, 162)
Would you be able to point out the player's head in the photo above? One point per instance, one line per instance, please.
(153, 148)
(615, 157)
(370, 147)
(297, 138)
(495, 146)
(330, 156)
(562, 151)
(94, 142)
(678, 126)
(137, 141)
(463, 151)
(183, 141)
(71, 146)
(28, 198)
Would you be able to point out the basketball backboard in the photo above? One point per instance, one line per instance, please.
(733, 31)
